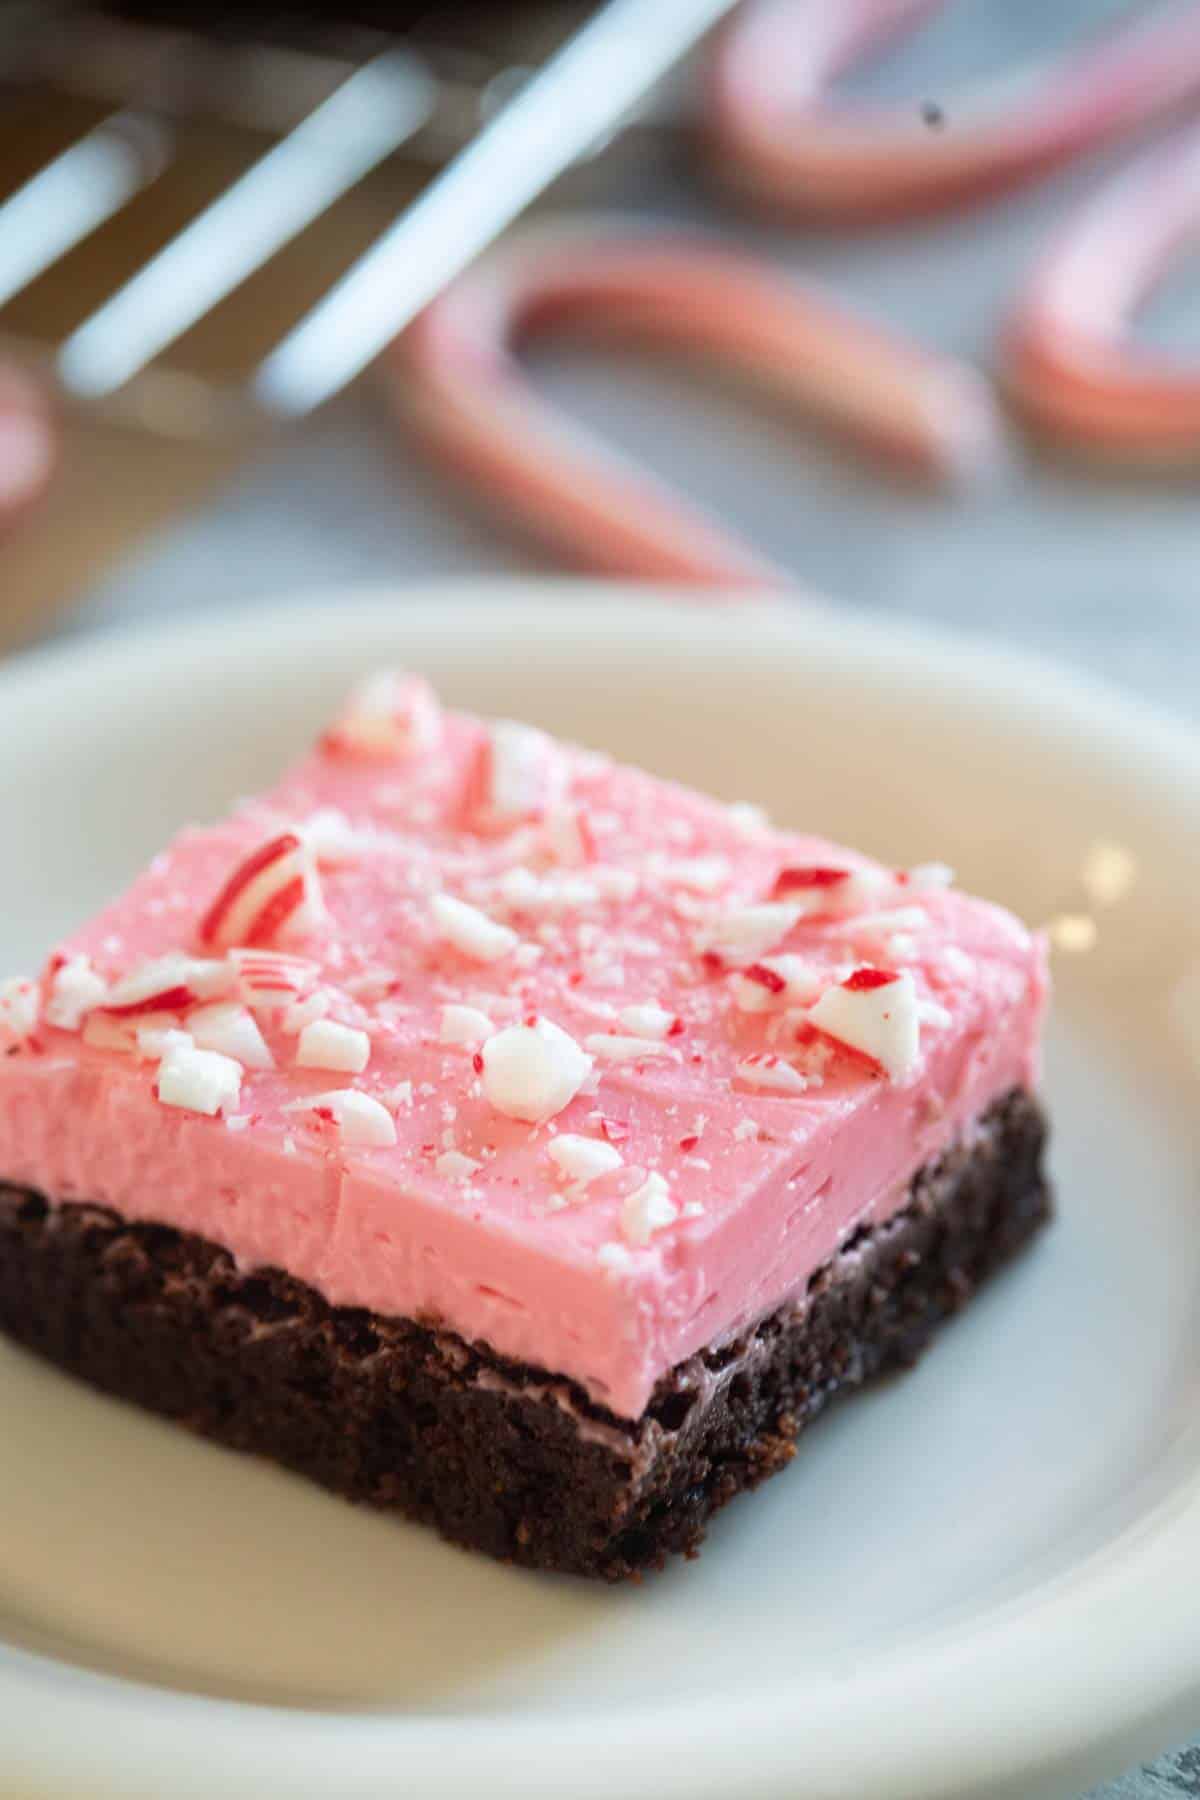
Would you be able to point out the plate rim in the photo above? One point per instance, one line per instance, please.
(1117, 1693)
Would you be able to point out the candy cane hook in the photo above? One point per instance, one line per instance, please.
(1067, 357)
(778, 139)
(458, 381)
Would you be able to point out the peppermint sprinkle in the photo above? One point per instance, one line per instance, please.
(775, 983)
(745, 933)
(531, 1072)
(201, 1081)
(582, 1159)
(455, 1166)
(231, 1029)
(19, 1004)
(464, 1025)
(361, 1120)
(649, 1208)
(770, 1073)
(390, 714)
(875, 1012)
(327, 1045)
(647, 1021)
(75, 988)
(470, 931)
(615, 1048)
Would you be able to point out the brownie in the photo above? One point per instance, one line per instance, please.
(504, 1457)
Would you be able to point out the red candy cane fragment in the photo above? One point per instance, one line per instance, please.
(274, 891)
(390, 714)
(457, 379)
(782, 142)
(1068, 361)
(515, 775)
(166, 984)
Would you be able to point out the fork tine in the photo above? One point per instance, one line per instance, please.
(72, 196)
(367, 118)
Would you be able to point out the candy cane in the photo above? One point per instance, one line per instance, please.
(457, 380)
(780, 141)
(1067, 358)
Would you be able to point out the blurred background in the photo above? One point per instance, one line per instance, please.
(949, 269)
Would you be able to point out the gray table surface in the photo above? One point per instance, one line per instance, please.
(1100, 573)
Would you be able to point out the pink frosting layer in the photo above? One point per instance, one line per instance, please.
(764, 1185)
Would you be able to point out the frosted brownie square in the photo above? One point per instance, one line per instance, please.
(507, 1137)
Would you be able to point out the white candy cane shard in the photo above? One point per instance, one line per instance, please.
(648, 1209)
(875, 1012)
(569, 835)
(775, 983)
(515, 776)
(168, 984)
(745, 933)
(300, 1013)
(273, 894)
(390, 714)
(455, 1166)
(464, 1025)
(327, 1045)
(648, 1021)
(606, 1048)
(531, 1072)
(335, 840)
(232, 1029)
(74, 989)
(470, 931)
(817, 888)
(271, 979)
(20, 1004)
(699, 874)
(156, 1040)
(582, 1159)
(770, 1073)
(361, 1120)
(928, 877)
(201, 1081)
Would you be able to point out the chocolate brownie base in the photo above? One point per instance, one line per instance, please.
(501, 1456)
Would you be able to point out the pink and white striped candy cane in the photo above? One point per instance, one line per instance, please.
(1067, 358)
(779, 140)
(457, 379)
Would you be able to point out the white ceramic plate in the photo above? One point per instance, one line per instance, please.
(977, 1581)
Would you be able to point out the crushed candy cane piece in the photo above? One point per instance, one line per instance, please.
(649, 1208)
(361, 1120)
(201, 1081)
(470, 931)
(763, 1070)
(515, 776)
(745, 933)
(168, 984)
(776, 982)
(74, 989)
(874, 1011)
(531, 1072)
(464, 1025)
(231, 1028)
(389, 714)
(607, 1047)
(582, 1159)
(327, 1045)
(272, 894)
(647, 1021)
(20, 1005)
(455, 1166)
